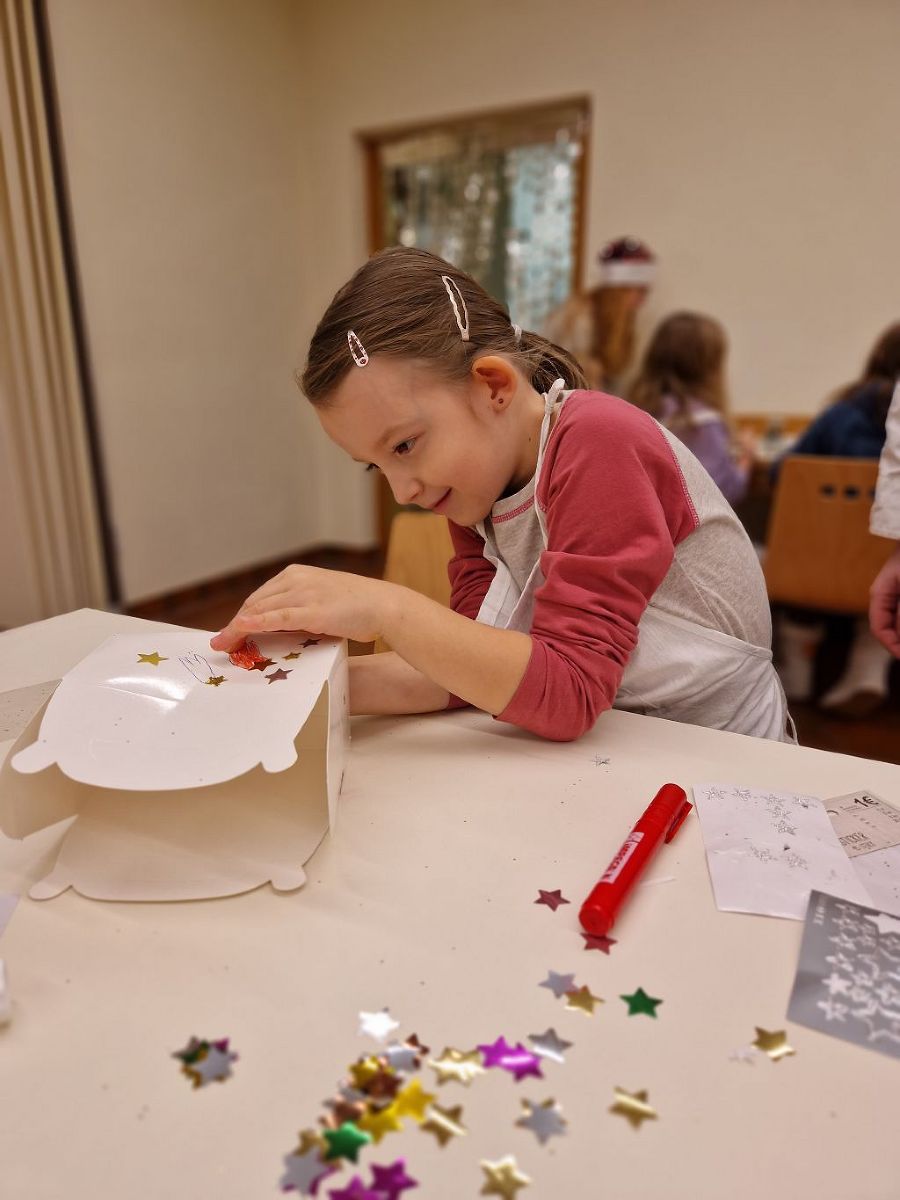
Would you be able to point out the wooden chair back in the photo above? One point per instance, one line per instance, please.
(419, 549)
(819, 552)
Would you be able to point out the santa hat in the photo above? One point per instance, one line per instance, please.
(627, 262)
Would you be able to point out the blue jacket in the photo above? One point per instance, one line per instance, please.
(848, 429)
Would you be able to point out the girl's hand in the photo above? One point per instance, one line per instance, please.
(316, 601)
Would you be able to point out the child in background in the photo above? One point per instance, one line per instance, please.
(595, 561)
(682, 384)
(852, 426)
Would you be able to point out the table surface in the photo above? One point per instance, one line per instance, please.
(422, 899)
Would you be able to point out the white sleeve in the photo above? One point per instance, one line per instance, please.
(885, 518)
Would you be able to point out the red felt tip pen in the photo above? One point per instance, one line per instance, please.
(660, 822)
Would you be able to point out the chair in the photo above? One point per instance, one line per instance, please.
(819, 552)
(419, 549)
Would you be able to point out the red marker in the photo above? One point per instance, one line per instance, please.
(660, 822)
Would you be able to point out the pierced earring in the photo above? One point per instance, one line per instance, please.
(357, 349)
(462, 320)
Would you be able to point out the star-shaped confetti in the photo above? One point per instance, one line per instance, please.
(345, 1142)
(247, 656)
(355, 1190)
(406, 1056)
(378, 1122)
(640, 1002)
(559, 985)
(775, 1044)
(503, 1178)
(377, 1025)
(461, 1066)
(634, 1106)
(583, 1000)
(309, 642)
(549, 1045)
(544, 1120)
(262, 664)
(153, 659)
(551, 899)
(413, 1101)
(215, 680)
(745, 1054)
(293, 654)
(390, 1181)
(303, 1171)
(518, 1060)
(278, 675)
(365, 1069)
(444, 1123)
(204, 1062)
(595, 941)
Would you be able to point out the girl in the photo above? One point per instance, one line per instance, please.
(596, 562)
(682, 384)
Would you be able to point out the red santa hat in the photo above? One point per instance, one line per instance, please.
(627, 262)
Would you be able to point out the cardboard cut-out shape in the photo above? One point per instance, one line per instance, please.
(244, 797)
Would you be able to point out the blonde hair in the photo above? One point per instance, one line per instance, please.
(397, 305)
(614, 320)
(685, 360)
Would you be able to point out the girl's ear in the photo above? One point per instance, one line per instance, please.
(496, 378)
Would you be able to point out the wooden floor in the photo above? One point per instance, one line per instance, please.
(211, 605)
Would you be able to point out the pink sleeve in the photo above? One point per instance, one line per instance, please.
(470, 577)
(616, 506)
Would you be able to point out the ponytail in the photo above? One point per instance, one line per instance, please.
(548, 362)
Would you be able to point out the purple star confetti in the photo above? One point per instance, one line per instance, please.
(355, 1190)
(518, 1060)
(551, 899)
(389, 1182)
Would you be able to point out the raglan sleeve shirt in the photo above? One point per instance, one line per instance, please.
(616, 507)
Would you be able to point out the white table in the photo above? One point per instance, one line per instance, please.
(423, 900)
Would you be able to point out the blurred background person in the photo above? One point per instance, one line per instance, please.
(598, 326)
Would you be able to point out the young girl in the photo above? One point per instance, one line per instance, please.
(682, 384)
(596, 562)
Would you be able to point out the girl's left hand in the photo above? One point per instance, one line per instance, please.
(312, 600)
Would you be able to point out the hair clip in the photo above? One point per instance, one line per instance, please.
(517, 331)
(454, 293)
(357, 349)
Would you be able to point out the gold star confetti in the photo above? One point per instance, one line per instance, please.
(293, 654)
(379, 1122)
(413, 1101)
(458, 1065)
(582, 998)
(634, 1106)
(503, 1178)
(153, 659)
(774, 1044)
(365, 1069)
(310, 1139)
(215, 680)
(444, 1123)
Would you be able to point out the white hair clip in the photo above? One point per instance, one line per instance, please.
(357, 349)
(517, 330)
(455, 294)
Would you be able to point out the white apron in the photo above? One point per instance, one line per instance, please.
(679, 670)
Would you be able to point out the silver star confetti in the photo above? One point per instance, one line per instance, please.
(559, 985)
(377, 1025)
(302, 1170)
(549, 1045)
(544, 1120)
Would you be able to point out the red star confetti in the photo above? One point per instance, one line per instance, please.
(551, 899)
(593, 941)
(278, 675)
(247, 656)
(204, 1062)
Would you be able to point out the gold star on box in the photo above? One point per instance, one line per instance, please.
(633, 1106)
(293, 654)
(503, 1178)
(583, 999)
(444, 1123)
(458, 1065)
(215, 680)
(153, 659)
(774, 1044)
(413, 1101)
(378, 1123)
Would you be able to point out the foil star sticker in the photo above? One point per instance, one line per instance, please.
(444, 1123)
(355, 1190)
(640, 1002)
(518, 1060)
(204, 1062)
(153, 659)
(633, 1106)
(309, 642)
(544, 1120)
(378, 1122)
(345, 1142)
(457, 1065)
(503, 1178)
(377, 1025)
(583, 1000)
(559, 985)
(775, 1044)
(549, 1045)
(551, 899)
(262, 664)
(413, 1101)
(215, 680)
(390, 1181)
(303, 1171)
(594, 941)
(278, 675)
(293, 654)
(247, 656)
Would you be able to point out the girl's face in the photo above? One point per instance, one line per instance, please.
(451, 449)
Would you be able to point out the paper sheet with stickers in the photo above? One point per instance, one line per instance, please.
(767, 850)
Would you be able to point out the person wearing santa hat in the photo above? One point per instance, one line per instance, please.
(597, 326)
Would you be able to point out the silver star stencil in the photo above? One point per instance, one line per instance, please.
(544, 1120)
(377, 1025)
(549, 1045)
(301, 1171)
(558, 984)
